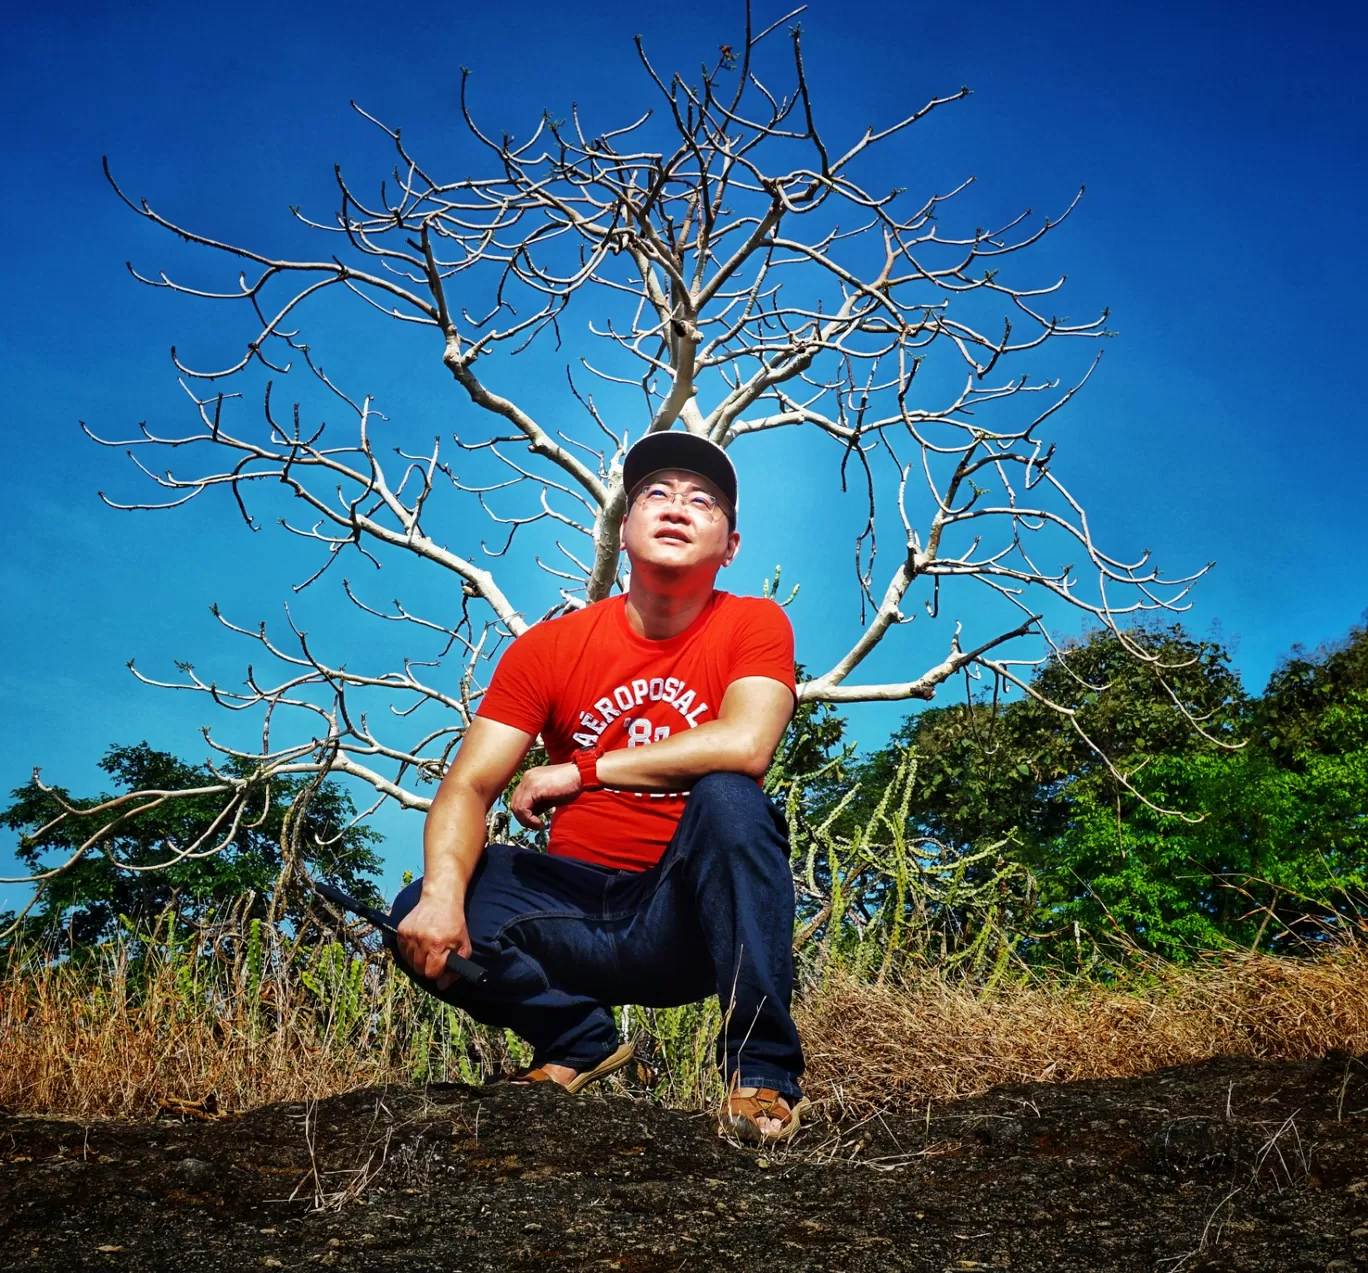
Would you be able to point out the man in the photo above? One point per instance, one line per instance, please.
(667, 877)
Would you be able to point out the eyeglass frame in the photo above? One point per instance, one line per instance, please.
(719, 504)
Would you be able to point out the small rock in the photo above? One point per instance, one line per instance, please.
(1002, 1131)
(271, 1262)
(195, 1170)
(532, 1228)
(1360, 1232)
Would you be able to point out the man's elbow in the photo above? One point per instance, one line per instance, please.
(754, 761)
(458, 790)
(747, 749)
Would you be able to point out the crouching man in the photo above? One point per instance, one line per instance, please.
(667, 877)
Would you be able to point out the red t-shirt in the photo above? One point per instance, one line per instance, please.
(587, 678)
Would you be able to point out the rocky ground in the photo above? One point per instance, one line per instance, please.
(1232, 1164)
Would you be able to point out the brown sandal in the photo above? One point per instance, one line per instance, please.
(741, 1114)
(610, 1064)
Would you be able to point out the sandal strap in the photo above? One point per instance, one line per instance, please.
(764, 1104)
(536, 1075)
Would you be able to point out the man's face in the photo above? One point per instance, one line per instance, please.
(676, 535)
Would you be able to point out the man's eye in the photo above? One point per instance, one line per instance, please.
(704, 503)
(658, 495)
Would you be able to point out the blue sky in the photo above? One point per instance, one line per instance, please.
(1223, 150)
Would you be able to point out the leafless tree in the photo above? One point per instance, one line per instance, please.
(740, 279)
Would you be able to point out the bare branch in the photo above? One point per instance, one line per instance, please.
(738, 273)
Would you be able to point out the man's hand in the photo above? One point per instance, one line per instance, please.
(541, 789)
(453, 839)
(428, 932)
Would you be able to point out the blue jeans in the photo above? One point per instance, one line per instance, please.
(563, 940)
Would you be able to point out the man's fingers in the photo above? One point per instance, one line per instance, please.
(520, 806)
(442, 977)
(523, 807)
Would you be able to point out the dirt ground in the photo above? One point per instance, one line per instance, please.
(1232, 1164)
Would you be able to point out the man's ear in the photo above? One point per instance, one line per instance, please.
(733, 547)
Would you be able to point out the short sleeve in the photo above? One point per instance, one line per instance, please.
(518, 693)
(762, 643)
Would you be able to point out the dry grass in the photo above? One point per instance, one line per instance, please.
(113, 1038)
(869, 1047)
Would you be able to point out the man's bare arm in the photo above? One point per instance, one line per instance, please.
(453, 839)
(754, 713)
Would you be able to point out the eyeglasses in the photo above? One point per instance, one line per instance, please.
(657, 497)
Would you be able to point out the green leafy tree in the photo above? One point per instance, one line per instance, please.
(83, 905)
(1304, 690)
(986, 769)
(1280, 855)
(1176, 841)
(1113, 833)
(1020, 775)
(1301, 802)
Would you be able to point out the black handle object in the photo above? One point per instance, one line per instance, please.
(456, 964)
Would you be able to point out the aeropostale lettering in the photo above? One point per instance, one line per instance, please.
(621, 703)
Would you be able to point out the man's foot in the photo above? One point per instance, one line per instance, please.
(759, 1115)
(576, 1080)
(561, 1074)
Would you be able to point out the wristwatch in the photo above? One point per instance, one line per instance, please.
(586, 761)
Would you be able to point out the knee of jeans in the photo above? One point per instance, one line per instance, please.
(729, 794)
(735, 804)
(730, 811)
(408, 898)
(406, 901)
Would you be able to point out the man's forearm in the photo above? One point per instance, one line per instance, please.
(755, 712)
(453, 839)
(677, 762)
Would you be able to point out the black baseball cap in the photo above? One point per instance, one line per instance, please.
(675, 449)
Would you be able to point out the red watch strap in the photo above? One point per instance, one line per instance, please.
(586, 761)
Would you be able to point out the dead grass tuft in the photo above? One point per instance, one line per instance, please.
(117, 1037)
(870, 1047)
(120, 1037)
